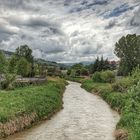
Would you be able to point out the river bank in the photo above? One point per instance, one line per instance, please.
(124, 103)
(23, 107)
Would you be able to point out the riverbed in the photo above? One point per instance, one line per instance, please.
(85, 117)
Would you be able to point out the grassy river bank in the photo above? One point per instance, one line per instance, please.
(127, 104)
(23, 107)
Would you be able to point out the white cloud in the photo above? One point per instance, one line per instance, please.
(70, 30)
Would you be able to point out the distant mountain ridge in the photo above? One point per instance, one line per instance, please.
(8, 54)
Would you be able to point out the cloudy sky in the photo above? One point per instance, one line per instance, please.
(67, 30)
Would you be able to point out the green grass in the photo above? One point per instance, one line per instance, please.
(127, 104)
(42, 100)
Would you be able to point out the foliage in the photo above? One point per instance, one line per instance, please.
(42, 100)
(122, 85)
(97, 77)
(2, 63)
(8, 82)
(12, 66)
(24, 51)
(77, 70)
(101, 65)
(23, 67)
(53, 71)
(128, 50)
(104, 77)
(84, 72)
(68, 72)
(77, 66)
(125, 83)
(135, 75)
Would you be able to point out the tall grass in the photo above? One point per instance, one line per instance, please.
(42, 100)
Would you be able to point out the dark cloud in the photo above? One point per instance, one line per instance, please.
(135, 21)
(111, 24)
(120, 10)
(17, 4)
(86, 5)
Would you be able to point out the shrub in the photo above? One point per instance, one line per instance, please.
(135, 75)
(122, 85)
(8, 83)
(84, 72)
(108, 76)
(104, 77)
(97, 77)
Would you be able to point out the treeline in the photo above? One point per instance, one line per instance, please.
(100, 64)
(24, 64)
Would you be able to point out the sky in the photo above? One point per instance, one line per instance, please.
(67, 31)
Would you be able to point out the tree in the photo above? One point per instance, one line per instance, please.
(94, 67)
(84, 72)
(77, 66)
(12, 64)
(25, 52)
(106, 65)
(69, 72)
(2, 63)
(101, 64)
(23, 67)
(128, 50)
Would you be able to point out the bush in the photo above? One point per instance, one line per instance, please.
(122, 85)
(104, 77)
(84, 72)
(135, 75)
(8, 83)
(108, 76)
(97, 77)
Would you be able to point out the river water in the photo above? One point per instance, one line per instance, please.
(85, 117)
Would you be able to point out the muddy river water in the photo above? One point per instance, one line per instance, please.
(85, 117)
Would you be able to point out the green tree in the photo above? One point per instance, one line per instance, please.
(128, 50)
(2, 63)
(77, 66)
(101, 64)
(95, 67)
(106, 65)
(26, 52)
(84, 72)
(23, 67)
(69, 72)
(12, 67)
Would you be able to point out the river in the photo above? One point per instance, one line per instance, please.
(85, 117)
